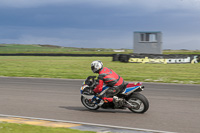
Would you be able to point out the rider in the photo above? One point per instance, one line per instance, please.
(114, 82)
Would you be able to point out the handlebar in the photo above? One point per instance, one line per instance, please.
(93, 80)
(91, 77)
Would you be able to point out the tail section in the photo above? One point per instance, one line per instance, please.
(132, 87)
(131, 84)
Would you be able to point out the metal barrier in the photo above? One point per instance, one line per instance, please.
(132, 58)
(44, 54)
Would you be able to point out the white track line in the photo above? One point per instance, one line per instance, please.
(91, 124)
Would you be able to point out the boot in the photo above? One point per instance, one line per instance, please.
(118, 102)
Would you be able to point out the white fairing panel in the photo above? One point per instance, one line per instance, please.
(88, 96)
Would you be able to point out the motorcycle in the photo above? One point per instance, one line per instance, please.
(133, 100)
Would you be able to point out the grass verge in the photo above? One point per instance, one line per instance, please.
(24, 128)
(79, 68)
(20, 48)
(37, 48)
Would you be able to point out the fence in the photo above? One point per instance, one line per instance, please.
(44, 54)
(132, 58)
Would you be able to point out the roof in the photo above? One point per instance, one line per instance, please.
(147, 32)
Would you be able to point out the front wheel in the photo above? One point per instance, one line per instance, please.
(139, 103)
(89, 105)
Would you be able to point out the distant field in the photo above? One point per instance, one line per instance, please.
(79, 68)
(19, 48)
(181, 52)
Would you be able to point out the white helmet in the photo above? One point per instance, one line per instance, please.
(96, 66)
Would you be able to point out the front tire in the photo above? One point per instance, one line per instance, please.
(139, 102)
(88, 105)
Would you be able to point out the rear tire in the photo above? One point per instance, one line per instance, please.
(86, 103)
(140, 103)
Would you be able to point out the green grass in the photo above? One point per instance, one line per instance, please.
(19, 48)
(79, 68)
(36, 48)
(181, 52)
(23, 128)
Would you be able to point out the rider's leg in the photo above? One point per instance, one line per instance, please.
(106, 99)
(109, 95)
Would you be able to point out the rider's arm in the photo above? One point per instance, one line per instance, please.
(99, 87)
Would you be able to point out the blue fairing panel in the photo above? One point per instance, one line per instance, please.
(106, 87)
(130, 89)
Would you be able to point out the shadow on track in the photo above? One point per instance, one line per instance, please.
(96, 111)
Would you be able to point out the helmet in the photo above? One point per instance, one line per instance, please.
(96, 66)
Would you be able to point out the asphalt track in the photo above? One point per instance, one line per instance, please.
(173, 107)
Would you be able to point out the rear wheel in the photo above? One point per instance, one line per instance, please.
(89, 105)
(139, 103)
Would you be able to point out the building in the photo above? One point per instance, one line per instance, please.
(148, 42)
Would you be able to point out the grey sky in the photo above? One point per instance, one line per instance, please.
(99, 23)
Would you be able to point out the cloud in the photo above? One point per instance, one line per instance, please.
(27, 3)
(70, 37)
(150, 5)
(67, 37)
(82, 43)
(181, 41)
(99, 23)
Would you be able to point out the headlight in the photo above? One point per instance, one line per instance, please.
(83, 87)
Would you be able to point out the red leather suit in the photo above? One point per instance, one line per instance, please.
(111, 79)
